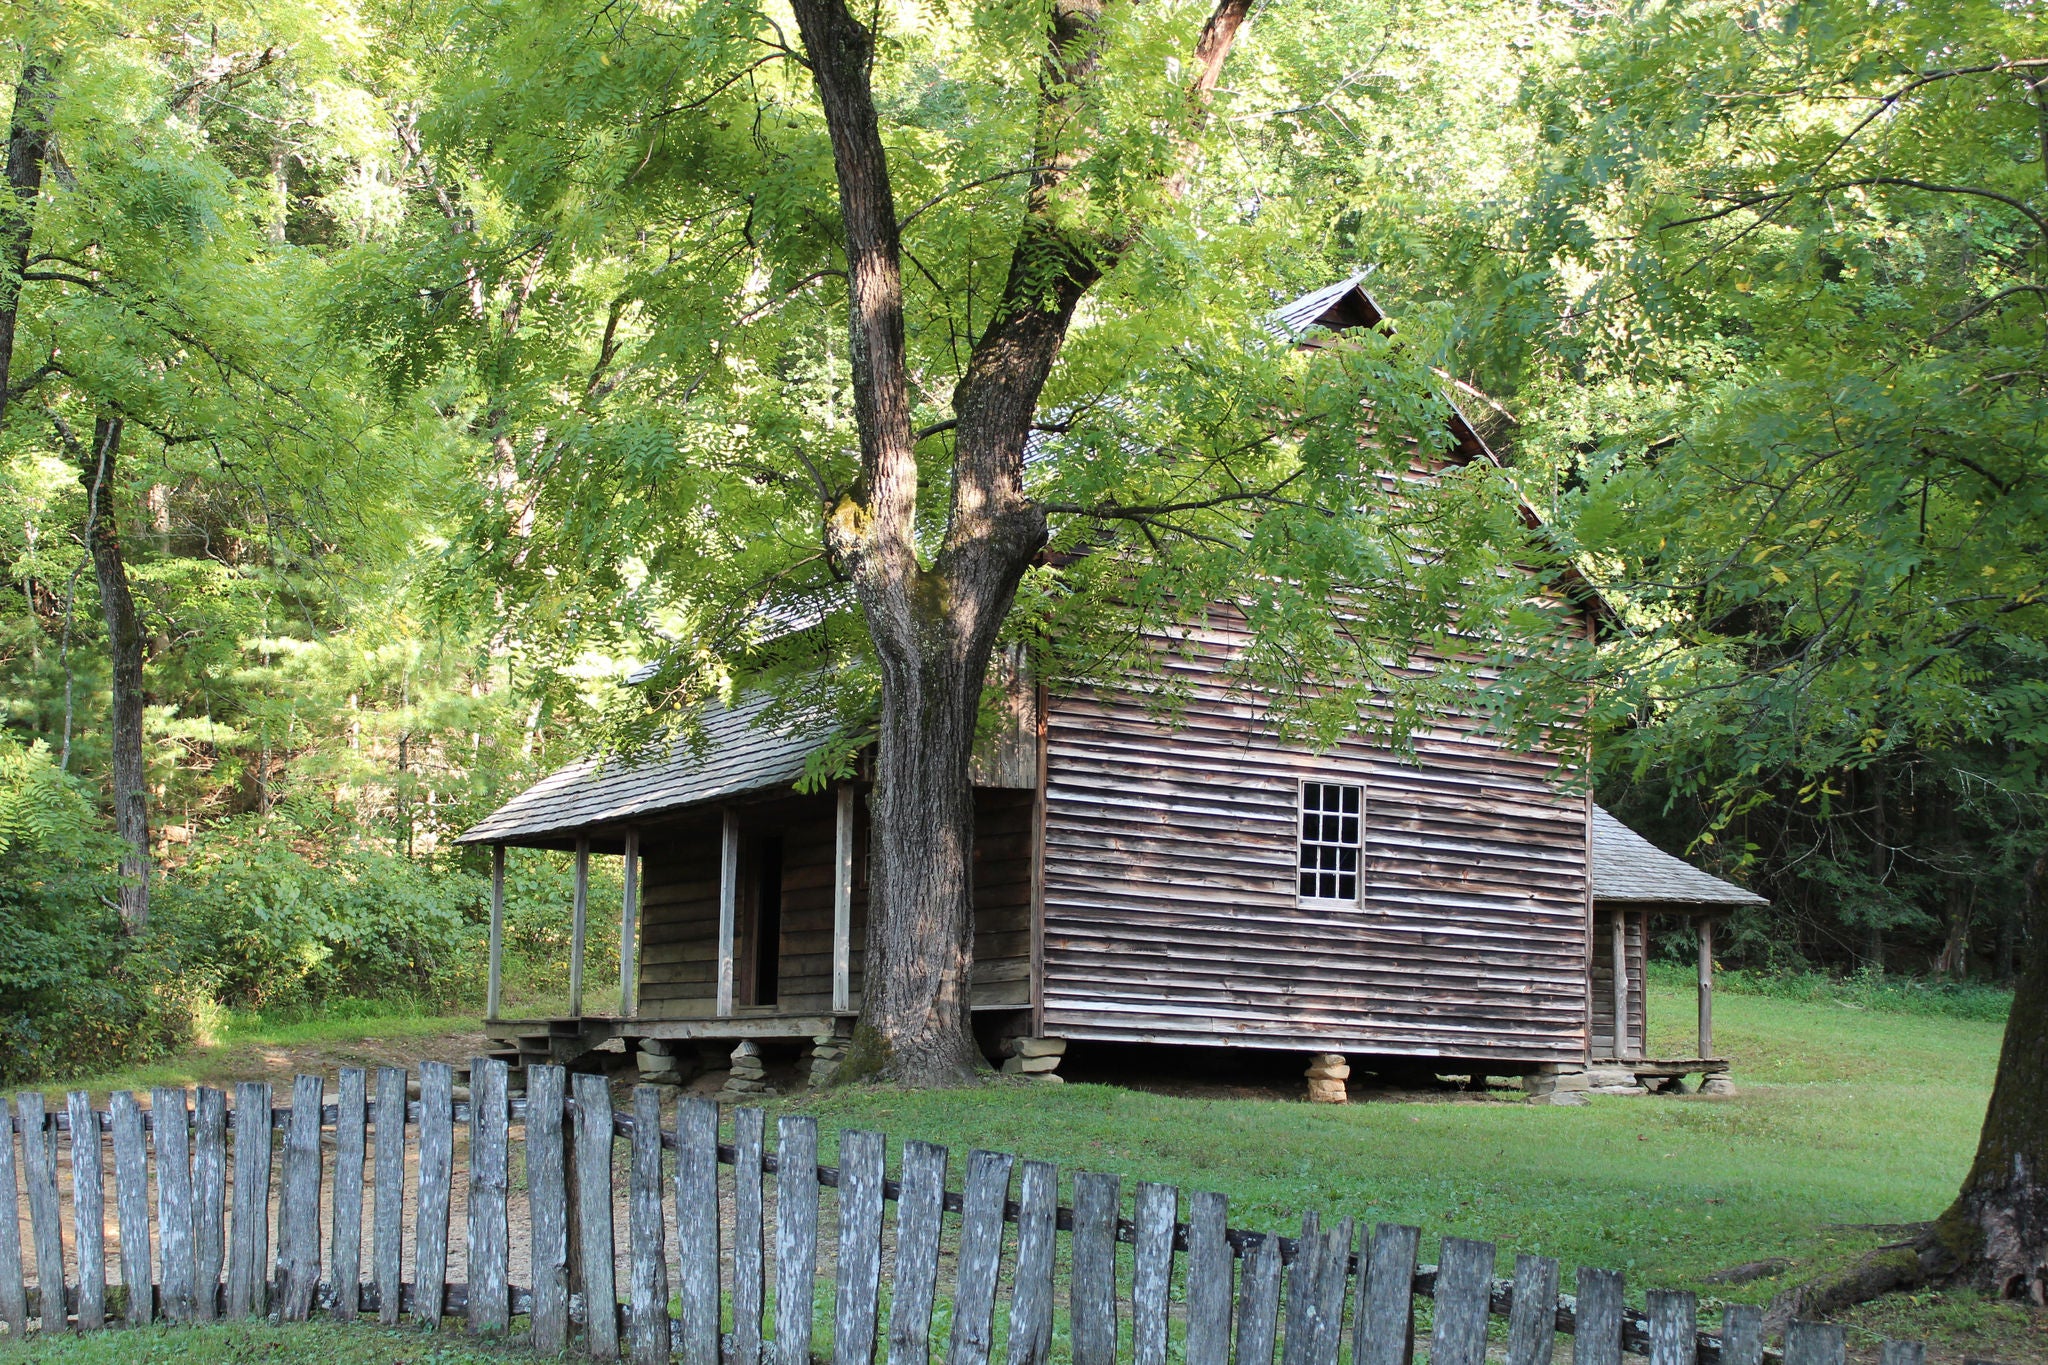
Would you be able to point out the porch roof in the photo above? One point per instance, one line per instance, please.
(1629, 870)
(741, 752)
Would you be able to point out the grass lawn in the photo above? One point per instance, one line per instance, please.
(262, 1344)
(1846, 1118)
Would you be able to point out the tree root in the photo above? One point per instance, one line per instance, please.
(1888, 1269)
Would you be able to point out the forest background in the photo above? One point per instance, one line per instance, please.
(363, 360)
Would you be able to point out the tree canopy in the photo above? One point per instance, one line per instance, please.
(415, 374)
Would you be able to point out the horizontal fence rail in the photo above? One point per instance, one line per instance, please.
(624, 1219)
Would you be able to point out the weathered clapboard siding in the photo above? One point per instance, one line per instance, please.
(679, 906)
(1603, 983)
(1170, 905)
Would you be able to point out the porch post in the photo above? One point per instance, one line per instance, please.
(842, 905)
(494, 993)
(629, 926)
(1621, 983)
(1706, 988)
(578, 925)
(728, 905)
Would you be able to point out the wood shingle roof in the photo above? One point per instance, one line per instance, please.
(741, 752)
(1629, 870)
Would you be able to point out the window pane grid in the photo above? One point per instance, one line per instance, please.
(1330, 837)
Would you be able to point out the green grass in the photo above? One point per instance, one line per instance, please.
(259, 1344)
(1842, 1119)
(244, 1045)
(1862, 991)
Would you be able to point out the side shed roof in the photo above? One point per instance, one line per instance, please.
(1630, 870)
(740, 753)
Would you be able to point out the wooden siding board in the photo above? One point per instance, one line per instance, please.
(1170, 908)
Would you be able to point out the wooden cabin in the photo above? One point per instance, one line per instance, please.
(1195, 881)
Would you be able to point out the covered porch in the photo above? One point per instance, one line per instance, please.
(1634, 880)
(735, 922)
(743, 908)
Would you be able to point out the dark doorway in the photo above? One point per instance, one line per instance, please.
(767, 926)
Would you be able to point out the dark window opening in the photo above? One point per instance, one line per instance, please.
(767, 920)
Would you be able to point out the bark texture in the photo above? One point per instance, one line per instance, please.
(934, 625)
(124, 653)
(28, 143)
(1994, 1238)
(1996, 1233)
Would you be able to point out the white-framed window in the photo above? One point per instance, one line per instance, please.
(1332, 817)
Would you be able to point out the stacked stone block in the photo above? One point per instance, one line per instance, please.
(1037, 1058)
(828, 1050)
(748, 1077)
(1326, 1076)
(1556, 1084)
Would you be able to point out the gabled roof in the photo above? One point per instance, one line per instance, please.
(1347, 304)
(741, 753)
(1630, 870)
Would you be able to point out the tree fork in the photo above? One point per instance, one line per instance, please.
(934, 628)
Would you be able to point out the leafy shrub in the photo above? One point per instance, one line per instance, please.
(266, 925)
(72, 986)
(1865, 990)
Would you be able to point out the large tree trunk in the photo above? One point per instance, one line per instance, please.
(28, 141)
(1997, 1230)
(124, 651)
(934, 626)
(1994, 1238)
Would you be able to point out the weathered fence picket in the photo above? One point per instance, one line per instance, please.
(593, 1181)
(88, 1211)
(796, 1236)
(174, 1201)
(298, 1207)
(1674, 1327)
(1600, 1307)
(436, 1190)
(1031, 1300)
(1532, 1315)
(697, 1229)
(490, 1183)
(13, 1288)
(249, 1231)
(1208, 1280)
(920, 1208)
(547, 1196)
(647, 1325)
(1464, 1282)
(1091, 1284)
(39, 1172)
(1154, 1216)
(1742, 1334)
(345, 1241)
(209, 1200)
(859, 1261)
(1248, 1295)
(387, 1218)
(1258, 1303)
(131, 1208)
(981, 1253)
(749, 1127)
(1386, 1311)
(1815, 1343)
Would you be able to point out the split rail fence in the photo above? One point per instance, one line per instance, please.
(695, 1260)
